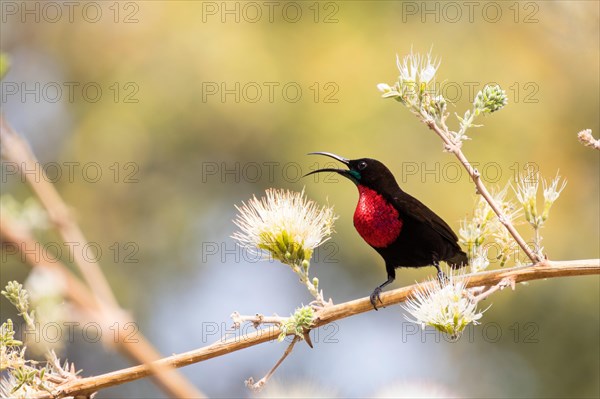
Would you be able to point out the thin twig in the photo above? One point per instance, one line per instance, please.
(585, 137)
(541, 270)
(481, 189)
(257, 386)
(256, 320)
(507, 282)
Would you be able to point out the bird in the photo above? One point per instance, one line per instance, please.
(403, 230)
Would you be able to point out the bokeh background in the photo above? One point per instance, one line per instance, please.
(186, 152)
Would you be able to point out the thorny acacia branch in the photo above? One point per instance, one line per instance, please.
(453, 147)
(541, 270)
(256, 320)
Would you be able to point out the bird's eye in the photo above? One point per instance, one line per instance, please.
(362, 165)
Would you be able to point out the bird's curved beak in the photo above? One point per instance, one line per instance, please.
(330, 155)
(343, 172)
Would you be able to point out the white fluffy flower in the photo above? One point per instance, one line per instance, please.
(447, 307)
(551, 191)
(284, 223)
(480, 261)
(416, 68)
(526, 191)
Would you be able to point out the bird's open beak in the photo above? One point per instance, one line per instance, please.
(343, 172)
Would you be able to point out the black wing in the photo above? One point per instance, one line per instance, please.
(415, 209)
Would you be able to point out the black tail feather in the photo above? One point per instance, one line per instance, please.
(458, 260)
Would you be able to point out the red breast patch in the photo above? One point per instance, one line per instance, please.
(375, 219)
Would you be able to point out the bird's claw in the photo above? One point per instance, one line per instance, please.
(376, 298)
(442, 278)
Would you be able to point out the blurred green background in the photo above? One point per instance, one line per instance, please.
(204, 104)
